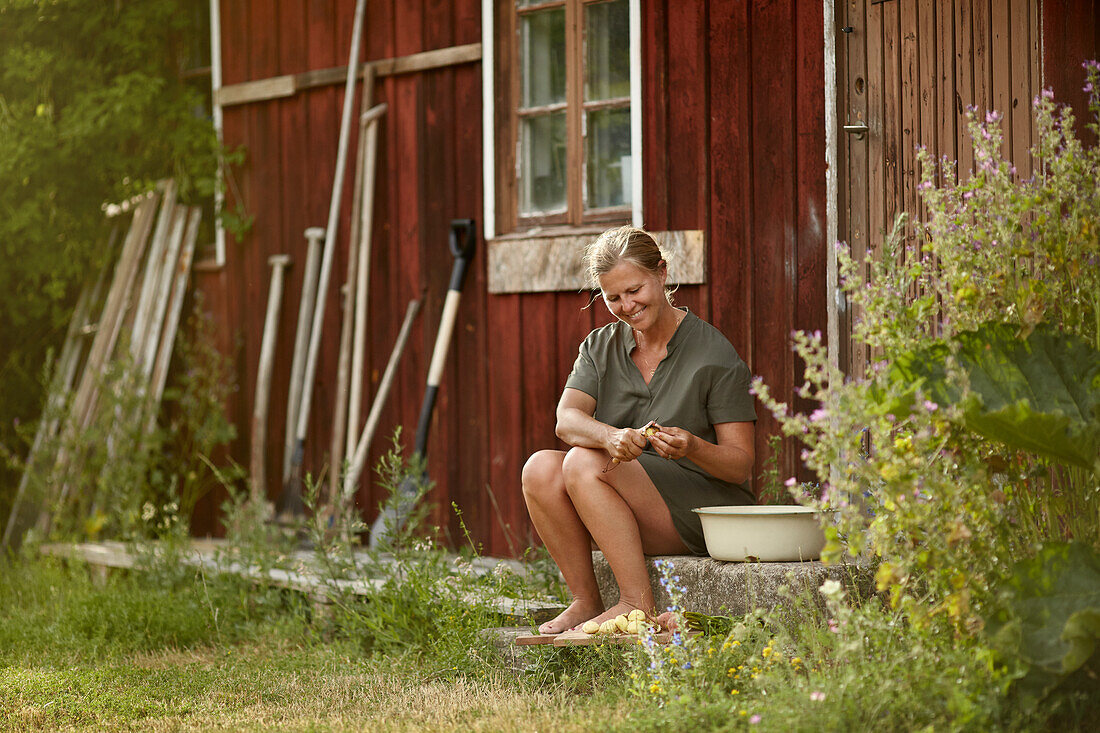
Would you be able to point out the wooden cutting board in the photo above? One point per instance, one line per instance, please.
(535, 639)
(580, 638)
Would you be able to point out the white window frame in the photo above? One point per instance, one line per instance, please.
(488, 111)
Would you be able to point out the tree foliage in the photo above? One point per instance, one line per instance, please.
(93, 109)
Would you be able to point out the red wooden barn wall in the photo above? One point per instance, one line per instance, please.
(733, 144)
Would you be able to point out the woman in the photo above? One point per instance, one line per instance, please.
(629, 494)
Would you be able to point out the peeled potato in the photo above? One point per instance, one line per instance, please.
(608, 627)
(650, 431)
(632, 627)
(636, 615)
(590, 627)
(621, 622)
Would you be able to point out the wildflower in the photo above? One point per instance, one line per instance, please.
(796, 660)
(754, 720)
(735, 692)
(817, 696)
(790, 482)
(930, 406)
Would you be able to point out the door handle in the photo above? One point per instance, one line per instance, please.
(860, 130)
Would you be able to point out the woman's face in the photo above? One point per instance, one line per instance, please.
(633, 295)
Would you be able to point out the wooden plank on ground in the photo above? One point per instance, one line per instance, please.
(579, 638)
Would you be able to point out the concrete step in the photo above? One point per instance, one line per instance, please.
(714, 587)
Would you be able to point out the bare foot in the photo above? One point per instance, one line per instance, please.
(620, 608)
(578, 612)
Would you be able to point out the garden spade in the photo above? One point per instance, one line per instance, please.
(462, 240)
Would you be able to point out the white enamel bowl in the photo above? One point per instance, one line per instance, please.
(764, 533)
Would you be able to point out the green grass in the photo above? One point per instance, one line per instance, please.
(173, 650)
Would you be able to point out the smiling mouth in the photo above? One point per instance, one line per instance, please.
(634, 316)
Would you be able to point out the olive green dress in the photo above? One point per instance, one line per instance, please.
(700, 383)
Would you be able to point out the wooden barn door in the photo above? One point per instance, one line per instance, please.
(906, 72)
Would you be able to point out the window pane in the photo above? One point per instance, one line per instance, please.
(607, 158)
(607, 50)
(542, 51)
(542, 164)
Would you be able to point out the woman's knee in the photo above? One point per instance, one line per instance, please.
(542, 473)
(582, 463)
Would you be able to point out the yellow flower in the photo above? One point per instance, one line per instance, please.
(710, 651)
(742, 713)
(735, 692)
(796, 660)
(767, 652)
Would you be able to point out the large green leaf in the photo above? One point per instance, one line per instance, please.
(1050, 614)
(1040, 394)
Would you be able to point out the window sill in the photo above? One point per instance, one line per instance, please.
(550, 260)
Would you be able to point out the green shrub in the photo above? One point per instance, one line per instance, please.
(970, 441)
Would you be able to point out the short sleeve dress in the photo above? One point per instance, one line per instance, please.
(701, 382)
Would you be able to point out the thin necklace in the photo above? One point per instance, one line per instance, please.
(645, 364)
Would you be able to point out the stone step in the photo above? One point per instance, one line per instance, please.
(714, 587)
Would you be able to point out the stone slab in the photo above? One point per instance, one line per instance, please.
(714, 587)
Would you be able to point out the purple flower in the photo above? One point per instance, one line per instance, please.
(818, 415)
(992, 116)
(754, 719)
(1047, 94)
(924, 185)
(931, 406)
(817, 696)
(1087, 89)
(790, 482)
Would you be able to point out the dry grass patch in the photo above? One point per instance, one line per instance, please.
(261, 687)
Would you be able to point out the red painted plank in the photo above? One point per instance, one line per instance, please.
(505, 420)
(293, 157)
(687, 121)
(729, 231)
(438, 208)
(472, 347)
(774, 196)
(1070, 37)
(655, 113)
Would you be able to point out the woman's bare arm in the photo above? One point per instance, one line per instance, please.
(577, 427)
(730, 459)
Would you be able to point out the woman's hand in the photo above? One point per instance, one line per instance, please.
(625, 444)
(673, 442)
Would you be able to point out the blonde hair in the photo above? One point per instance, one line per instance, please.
(623, 244)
